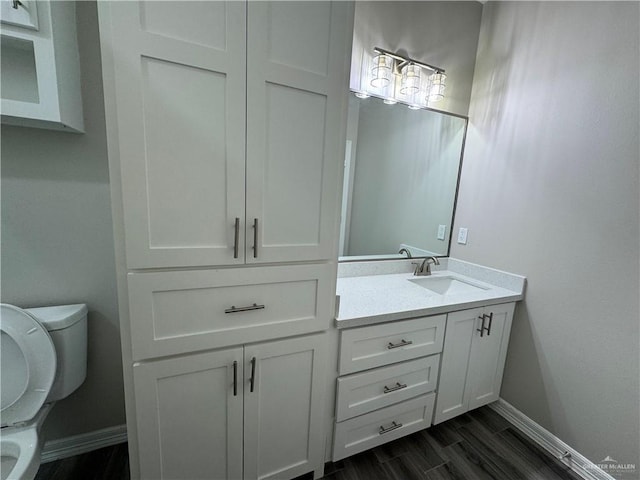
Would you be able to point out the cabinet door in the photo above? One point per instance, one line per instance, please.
(283, 417)
(297, 87)
(188, 418)
(179, 82)
(453, 396)
(488, 355)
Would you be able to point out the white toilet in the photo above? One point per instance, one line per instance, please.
(44, 359)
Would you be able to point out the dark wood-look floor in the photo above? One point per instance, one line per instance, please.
(479, 445)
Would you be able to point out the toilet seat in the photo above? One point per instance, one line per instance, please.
(28, 371)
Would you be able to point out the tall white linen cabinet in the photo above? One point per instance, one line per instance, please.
(226, 133)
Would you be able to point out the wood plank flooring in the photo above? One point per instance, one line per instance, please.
(479, 445)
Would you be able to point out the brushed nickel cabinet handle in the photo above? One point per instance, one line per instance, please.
(401, 343)
(236, 237)
(235, 379)
(394, 426)
(253, 373)
(397, 386)
(481, 329)
(235, 309)
(490, 322)
(255, 238)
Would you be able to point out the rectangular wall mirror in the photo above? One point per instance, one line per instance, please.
(400, 182)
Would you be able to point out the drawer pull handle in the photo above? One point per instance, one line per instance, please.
(401, 343)
(233, 309)
(393, 426)
(398, 386)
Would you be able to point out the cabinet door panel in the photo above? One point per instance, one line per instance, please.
(452, 389)
(188, 418)
(180, 99)
(488, 355)
(296, 103)
(283, 418)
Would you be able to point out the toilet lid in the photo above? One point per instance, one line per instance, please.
(28, 365)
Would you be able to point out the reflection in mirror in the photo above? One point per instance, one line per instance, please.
(400, 180)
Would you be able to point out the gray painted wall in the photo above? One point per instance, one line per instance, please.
(440, 33)
(550, 190)
(57, 238)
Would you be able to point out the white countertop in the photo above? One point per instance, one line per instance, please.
(370, 299)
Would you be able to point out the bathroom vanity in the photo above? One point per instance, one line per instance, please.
(417, 350)
(226, 206)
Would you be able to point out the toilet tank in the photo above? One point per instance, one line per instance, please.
(67, 326)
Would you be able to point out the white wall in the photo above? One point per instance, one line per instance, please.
(550, 190)
(444, 34)
(57, 238)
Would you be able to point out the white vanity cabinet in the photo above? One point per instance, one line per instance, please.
(225, 124)
(388, 377)
(230, 126)
(40, 69)
(473, 358)
(197, 413)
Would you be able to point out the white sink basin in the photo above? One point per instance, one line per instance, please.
(446, 285)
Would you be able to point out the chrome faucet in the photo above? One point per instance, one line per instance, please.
(404, 250)
(424, 268)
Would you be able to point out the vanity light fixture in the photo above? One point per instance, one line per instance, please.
(396, 78)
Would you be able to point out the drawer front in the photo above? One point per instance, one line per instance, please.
(366, 431)
(178, 312)
(364, 392)
(378, 345)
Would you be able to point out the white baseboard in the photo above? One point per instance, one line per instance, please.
(83, 443)
(549, 442)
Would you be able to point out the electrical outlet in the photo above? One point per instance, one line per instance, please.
(462, 236)
(441, 231)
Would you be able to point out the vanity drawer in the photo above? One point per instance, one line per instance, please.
(378, 345)
(366, 431)
(363, 392)
(185, 311)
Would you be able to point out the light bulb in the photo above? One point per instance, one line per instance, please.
(437, 85)
(382, 71)
(410, 82)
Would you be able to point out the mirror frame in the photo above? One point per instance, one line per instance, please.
(392, 256)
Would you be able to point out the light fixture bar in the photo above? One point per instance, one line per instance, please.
(400, 58)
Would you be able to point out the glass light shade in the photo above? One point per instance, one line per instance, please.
(362, 94)
(437, 85)
(390, 101)
(382, 71)
(410, 82)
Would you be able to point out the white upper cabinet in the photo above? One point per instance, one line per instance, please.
(179, 77)
(228, 139)
(40, 69)
(297, 77)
